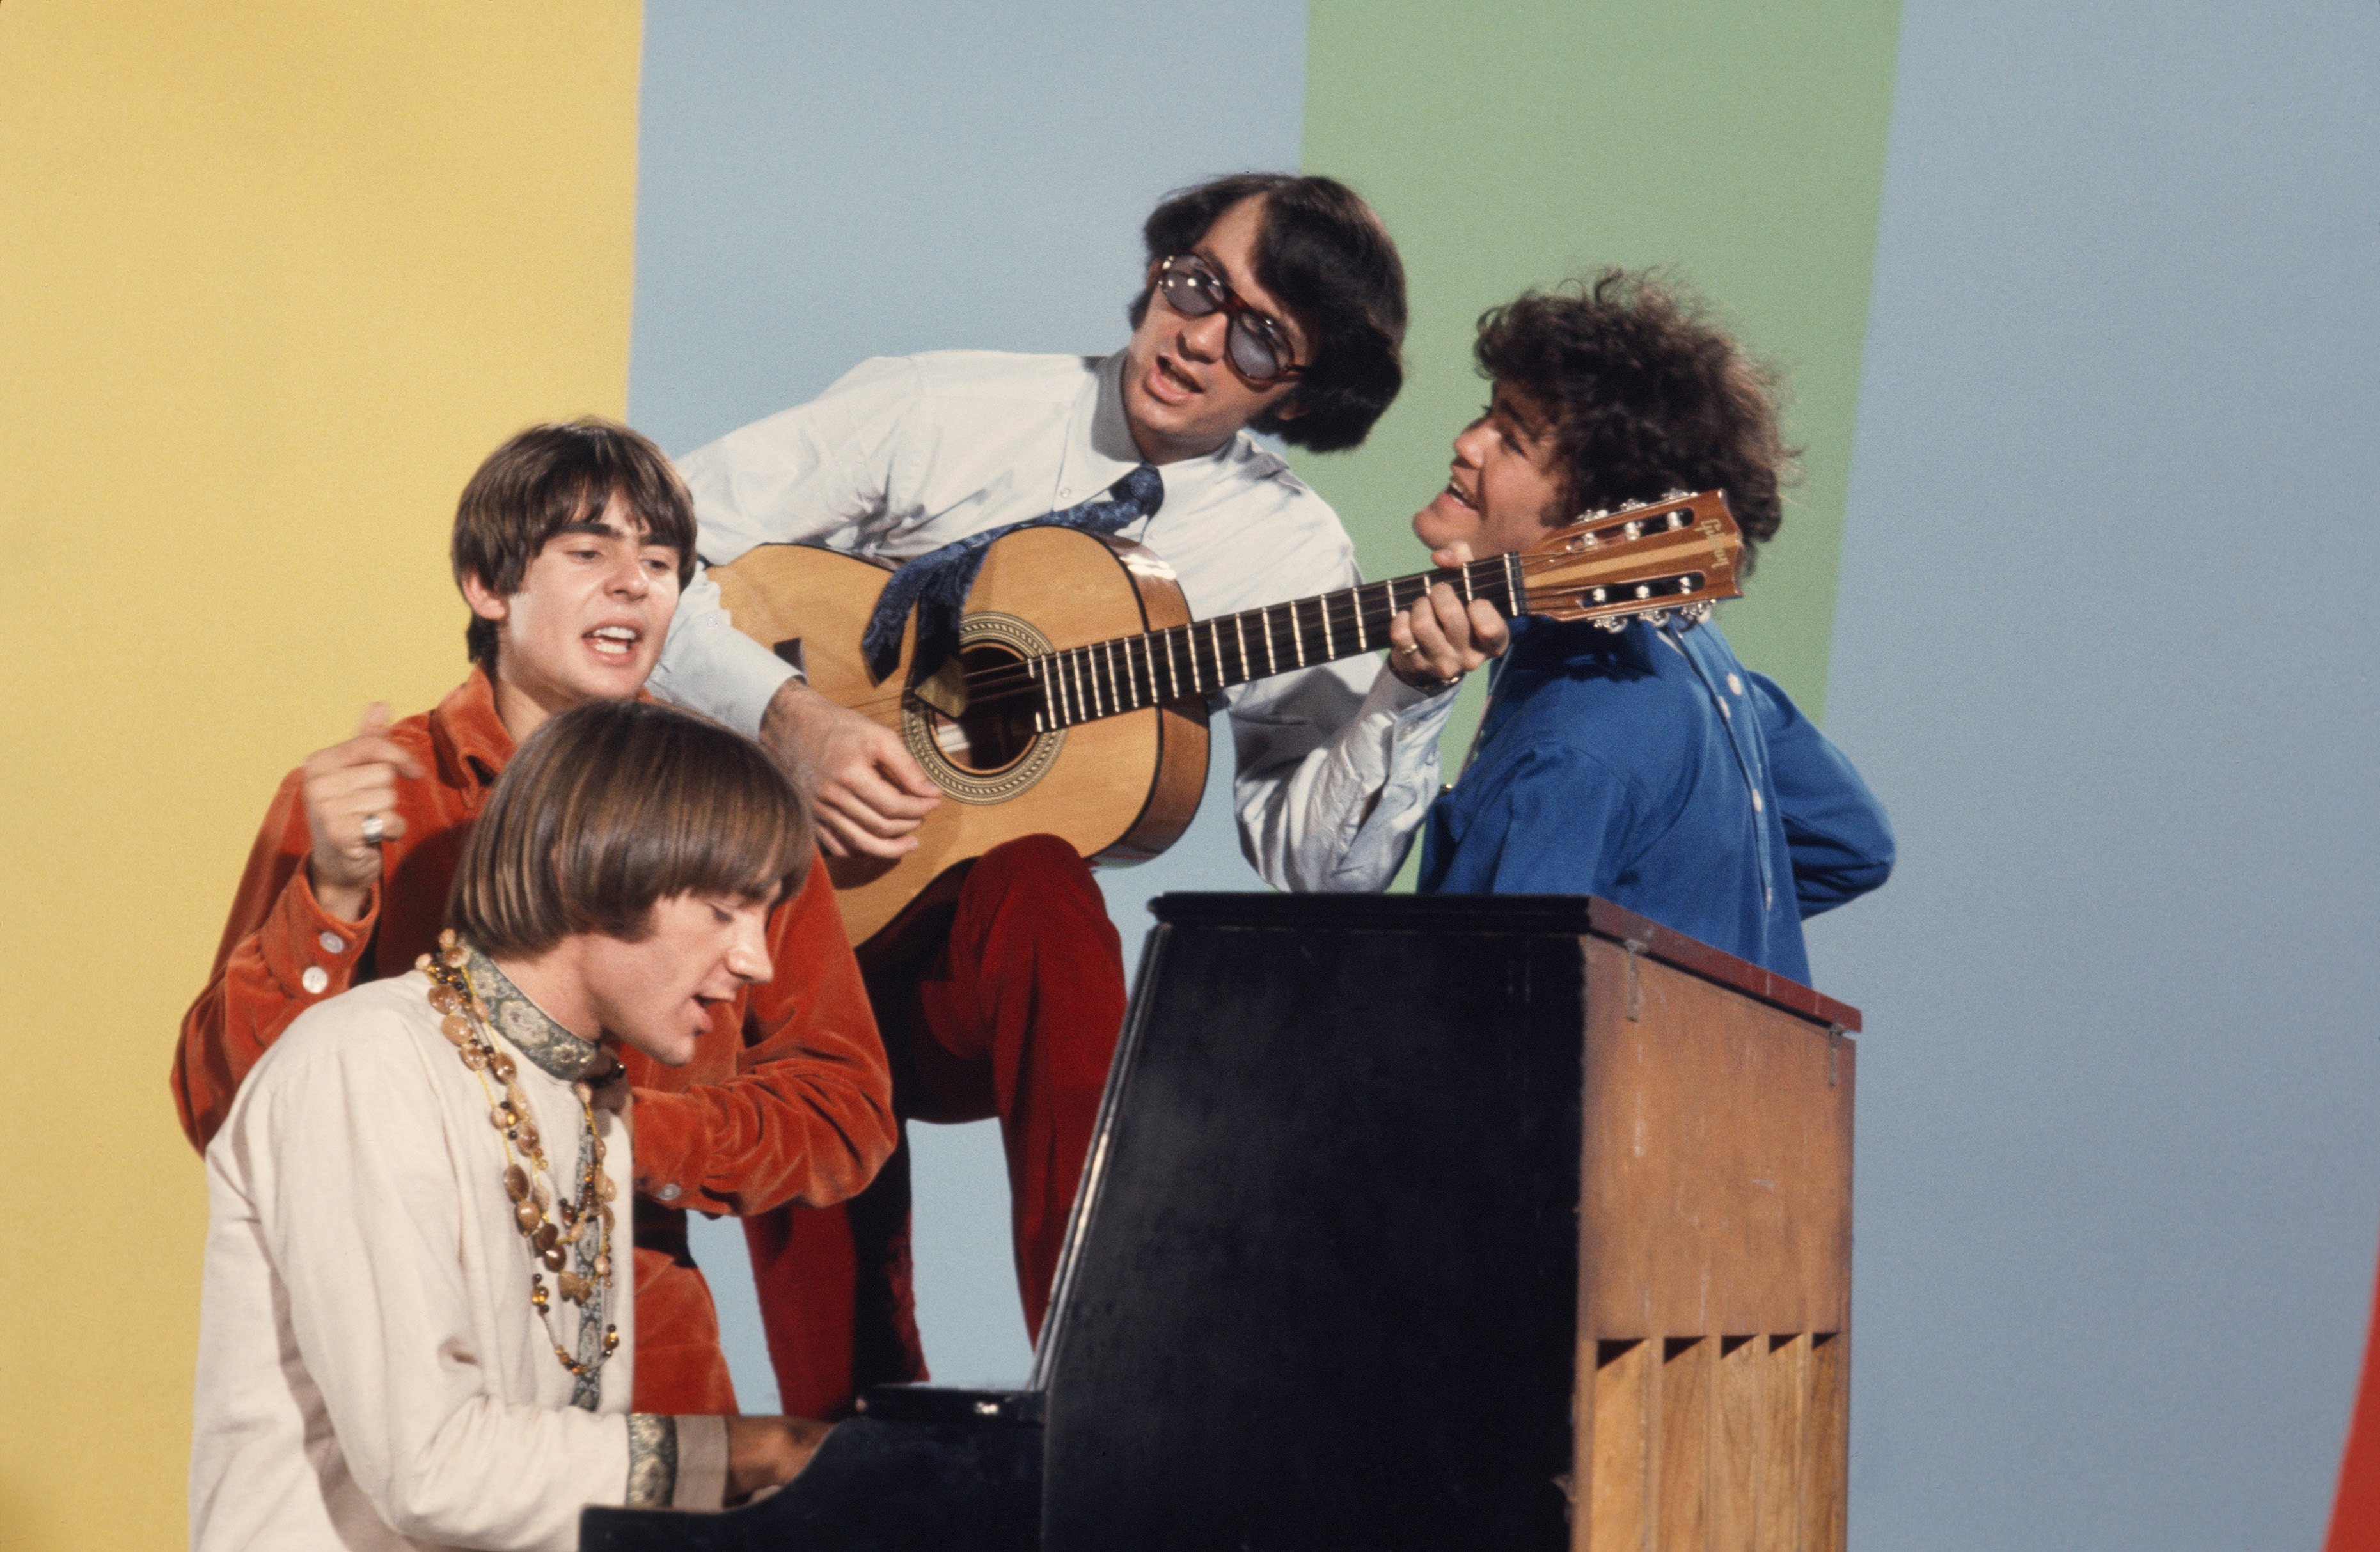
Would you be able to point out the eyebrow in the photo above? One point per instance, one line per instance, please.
(598, 528)
(1503, 407)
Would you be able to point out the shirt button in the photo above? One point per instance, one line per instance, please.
(331, 942)
(1725, 713)
(315, 980)
(1756, 804)
(669, 1193)
(1734, 684)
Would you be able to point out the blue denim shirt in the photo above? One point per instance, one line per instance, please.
(1650, 767)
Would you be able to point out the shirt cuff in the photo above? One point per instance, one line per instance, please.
(701, 1464)
(309, 952)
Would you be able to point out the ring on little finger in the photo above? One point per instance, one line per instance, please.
(375, 830)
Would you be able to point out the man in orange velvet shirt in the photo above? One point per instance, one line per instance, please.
(570, 545)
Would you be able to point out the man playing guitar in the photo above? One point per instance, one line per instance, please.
(1271, 303)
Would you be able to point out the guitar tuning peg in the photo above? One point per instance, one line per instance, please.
(1656, 618)
(1615, 623)
(1695, 613)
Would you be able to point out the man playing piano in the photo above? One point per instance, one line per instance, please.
(418, 1324)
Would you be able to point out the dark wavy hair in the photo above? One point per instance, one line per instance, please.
(546, 478)
(1646, 396)
(1325, 254)
(612, 806)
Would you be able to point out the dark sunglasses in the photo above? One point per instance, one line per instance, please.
(1253, 344)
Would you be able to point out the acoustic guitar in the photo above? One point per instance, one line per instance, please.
(1075, 704)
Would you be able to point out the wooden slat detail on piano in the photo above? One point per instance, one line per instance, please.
(1681, 1465)
(1626, 1375)
(1827, 1446)
(1735, 1449)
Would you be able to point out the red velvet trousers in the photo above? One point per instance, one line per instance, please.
(1014, 1013)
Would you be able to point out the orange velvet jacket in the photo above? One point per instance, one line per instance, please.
(787, 1099)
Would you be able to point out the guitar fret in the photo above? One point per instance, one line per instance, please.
(1240, 629)
(1115, 681)
(1148, 667)
(1272, 662)
(1072, 692)
(1172, 685)
(1329, 652)
(1296, 636)
(1466, 584)
(1215, 645)
(1360, 645)
(1190, 650)
(1516, 596)
(1040, 716)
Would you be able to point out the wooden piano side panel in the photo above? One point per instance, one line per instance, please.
(1714, 1275)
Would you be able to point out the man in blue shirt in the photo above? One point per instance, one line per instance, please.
(1648, 766)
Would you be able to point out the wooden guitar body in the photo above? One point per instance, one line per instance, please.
(1118, 789)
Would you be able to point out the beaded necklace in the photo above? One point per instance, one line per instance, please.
(553, 1226)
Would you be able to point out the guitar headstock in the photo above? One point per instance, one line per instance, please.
(1677, 555)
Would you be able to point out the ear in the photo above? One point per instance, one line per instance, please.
(1290, 406)
(485, 601)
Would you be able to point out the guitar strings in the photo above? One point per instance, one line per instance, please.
(1016, 679)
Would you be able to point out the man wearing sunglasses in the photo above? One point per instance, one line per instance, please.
(1271, 304)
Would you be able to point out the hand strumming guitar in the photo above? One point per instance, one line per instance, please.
(867, 792)
(1433, 644)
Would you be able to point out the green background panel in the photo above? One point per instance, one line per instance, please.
(1516, 145)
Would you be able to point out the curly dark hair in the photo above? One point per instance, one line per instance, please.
(1326, 255)
(1646, 396)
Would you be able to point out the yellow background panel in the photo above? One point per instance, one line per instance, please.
(274, 278)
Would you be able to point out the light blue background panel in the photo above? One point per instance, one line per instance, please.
(2106, 647)
(820, 184)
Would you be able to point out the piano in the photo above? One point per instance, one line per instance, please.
(1410, 1221)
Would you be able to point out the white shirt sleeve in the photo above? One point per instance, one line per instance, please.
(1337, 766)
(817, 473)
(362, 1226)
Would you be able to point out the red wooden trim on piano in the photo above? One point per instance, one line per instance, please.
(1713, 964)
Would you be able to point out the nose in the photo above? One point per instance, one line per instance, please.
(1202, 338)
(628, 576)
(748, 955)
(1470, 443)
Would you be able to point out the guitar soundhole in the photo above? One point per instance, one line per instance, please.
(996, 729)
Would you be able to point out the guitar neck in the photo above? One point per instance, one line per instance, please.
(1108, 678)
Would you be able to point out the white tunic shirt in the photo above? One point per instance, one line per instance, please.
(371, 1370)
(1336, 763)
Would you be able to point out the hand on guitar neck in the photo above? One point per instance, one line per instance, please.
(868, 795)
(1438, 640)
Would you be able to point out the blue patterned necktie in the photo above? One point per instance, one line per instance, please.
(937, 582)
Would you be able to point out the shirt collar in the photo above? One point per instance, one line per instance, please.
(469, 736)
(1099, 449)
(531, 1030)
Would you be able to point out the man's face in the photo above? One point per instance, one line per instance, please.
(1505, 487)
(588, 620)
(1181, 396)
(656, 993)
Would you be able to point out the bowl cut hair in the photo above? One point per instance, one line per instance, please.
(612, 806)
(1329, 258)
(1645, 395)
(544, 479)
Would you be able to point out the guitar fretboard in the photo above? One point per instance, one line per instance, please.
(1106, 678)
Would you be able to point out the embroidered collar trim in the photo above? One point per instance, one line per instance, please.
(549, 1048)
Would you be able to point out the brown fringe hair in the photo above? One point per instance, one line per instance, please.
(548, 477)
(612, 806)
(1646, 396)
